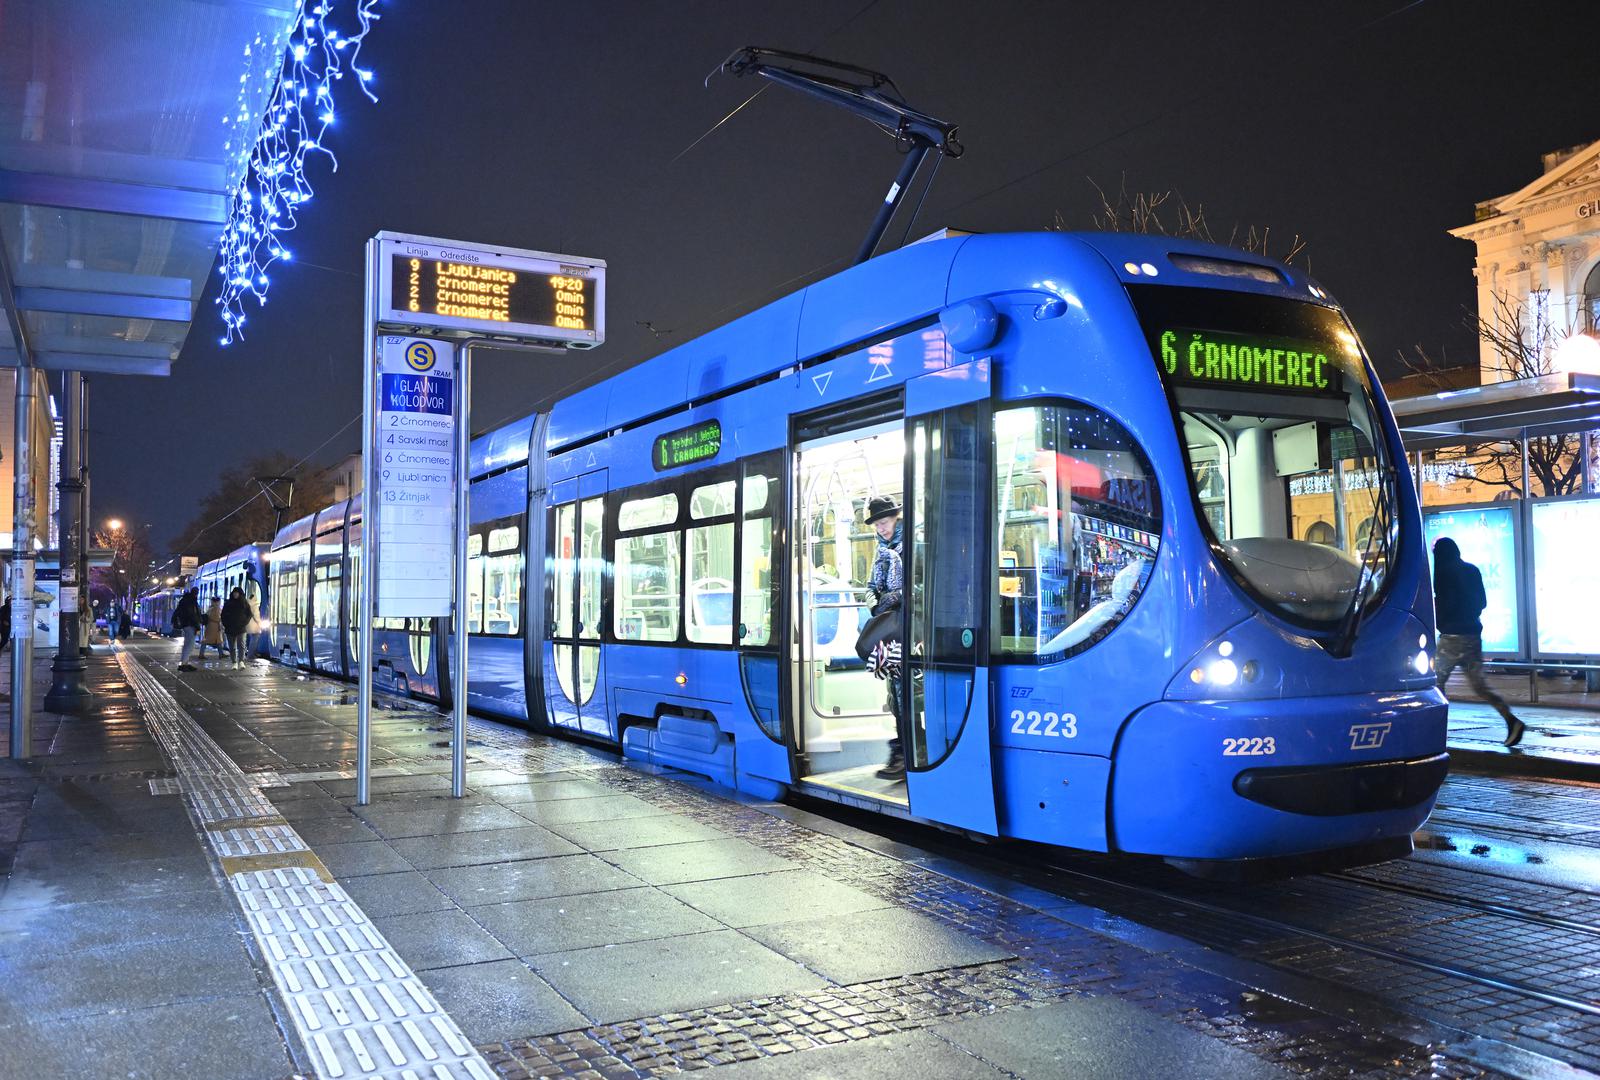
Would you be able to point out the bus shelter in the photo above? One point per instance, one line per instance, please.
(1511, 472)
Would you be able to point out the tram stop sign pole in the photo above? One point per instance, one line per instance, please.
(429, 304)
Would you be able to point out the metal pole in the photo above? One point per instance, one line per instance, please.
(68, 694)
(369, 521)
(22, 559)
(891, 201)
(84, 517)
(458, 622)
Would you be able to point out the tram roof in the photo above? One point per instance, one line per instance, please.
(1546, 405)
(117, 160)
(862, 303)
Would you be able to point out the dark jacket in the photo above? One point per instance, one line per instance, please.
(235, 615)
(1458, 597)
(187, 614)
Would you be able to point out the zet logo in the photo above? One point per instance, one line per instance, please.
(1368, 736)
(420, 356)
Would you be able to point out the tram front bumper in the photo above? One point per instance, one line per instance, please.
(1259, 779)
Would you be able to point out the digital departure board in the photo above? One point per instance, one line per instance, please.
(688, 445)
(555, 298)
(1240, 361)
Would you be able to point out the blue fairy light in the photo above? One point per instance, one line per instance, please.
(296, 119)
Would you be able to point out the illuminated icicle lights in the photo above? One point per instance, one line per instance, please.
(294, 125)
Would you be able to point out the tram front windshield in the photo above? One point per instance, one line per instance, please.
(1287, 459)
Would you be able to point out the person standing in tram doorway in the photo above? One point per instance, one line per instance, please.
(1458, 600)
(887, 584)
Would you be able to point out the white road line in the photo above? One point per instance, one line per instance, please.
(301, 922)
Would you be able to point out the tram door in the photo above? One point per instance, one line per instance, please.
(573, 661)
(949, 473)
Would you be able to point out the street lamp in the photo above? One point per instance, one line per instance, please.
(114, 524)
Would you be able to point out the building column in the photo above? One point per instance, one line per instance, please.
(22, 565)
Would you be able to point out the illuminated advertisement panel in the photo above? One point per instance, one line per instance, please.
(1487, 539)
(1566, 576)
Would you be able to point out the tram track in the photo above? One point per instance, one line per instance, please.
(1506, 911)
(1395, 956)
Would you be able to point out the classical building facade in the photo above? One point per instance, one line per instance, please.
(1539, 255)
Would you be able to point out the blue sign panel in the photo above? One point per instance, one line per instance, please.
(1487, 538)
(417, 394)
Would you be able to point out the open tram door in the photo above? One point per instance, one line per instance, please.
(930, 453)
(571, 654)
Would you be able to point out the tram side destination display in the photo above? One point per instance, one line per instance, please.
(558, 298)
(414, 481)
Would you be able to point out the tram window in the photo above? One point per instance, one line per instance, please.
(475, 583)
(648, 513)
(562, 578)
(710, 582)
(646, 603)
(1077, 531)
(711, 501)
(757, 586)
(591, 569)
(502, 583)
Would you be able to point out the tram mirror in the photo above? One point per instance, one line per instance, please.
(1301, 448)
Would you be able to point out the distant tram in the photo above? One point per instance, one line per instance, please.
(1165, 585)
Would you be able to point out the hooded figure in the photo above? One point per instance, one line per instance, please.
(1458, 601)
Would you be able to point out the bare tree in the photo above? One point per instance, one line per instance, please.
(1168, 213)
(238, 510)
(1523, 340)
(131, 559)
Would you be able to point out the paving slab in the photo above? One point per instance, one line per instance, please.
(890, 1057)
(546, 790)
(69, 928)
(486, 846)
(530, 879)
(671, 864)
(224, 1038)
(380, 785)
(782, 896)
(330, 829)
(584, 920)
(395, 894)
(438, 819)
(635, 832)
(432, 939)
(879, 944)
(601, 808)
(365, 857)
(32, 885)
(124, 977)
(1099, 1038)
(644, 978)
(502, 1000)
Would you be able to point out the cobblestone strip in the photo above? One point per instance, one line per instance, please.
(1055, 960)
(357, 1008)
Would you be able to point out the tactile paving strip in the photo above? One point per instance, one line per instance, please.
(357, 1008)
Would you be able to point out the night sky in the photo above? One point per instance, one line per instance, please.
(1367, 127)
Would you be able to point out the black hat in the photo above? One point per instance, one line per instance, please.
(880, 507)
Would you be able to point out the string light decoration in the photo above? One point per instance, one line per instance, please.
(323, 46)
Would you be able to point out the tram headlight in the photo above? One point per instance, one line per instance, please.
(1422, 663)
(1222, 672)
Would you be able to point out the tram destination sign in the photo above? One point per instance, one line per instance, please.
(1249, 362)
(687, 445)
(413, 502)
(467, 290)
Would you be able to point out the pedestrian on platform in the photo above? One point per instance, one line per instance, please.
(1458, 600)
(236, 618)
(212, 630)
(187, 620)
(124, 625)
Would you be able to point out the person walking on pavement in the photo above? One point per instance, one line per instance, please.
(236, 617)
(212, 629)
(886, 583)
(187, 620)
(124, 625)
(1458, 600)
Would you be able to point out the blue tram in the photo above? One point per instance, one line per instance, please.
(243, 568)
(1165, 584)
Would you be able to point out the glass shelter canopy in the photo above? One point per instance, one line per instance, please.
(124, 127)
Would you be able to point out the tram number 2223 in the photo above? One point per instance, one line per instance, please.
(1032, 722)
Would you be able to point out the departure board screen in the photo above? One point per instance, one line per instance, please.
(491, 294)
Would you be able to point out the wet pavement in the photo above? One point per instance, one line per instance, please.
(192, 855)
(1559, 743)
